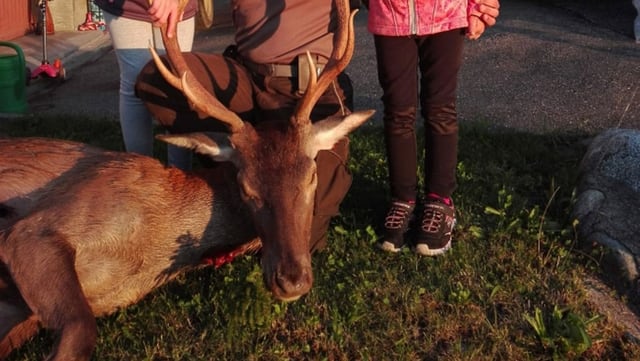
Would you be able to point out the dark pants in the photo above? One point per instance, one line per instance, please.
(435, 60)
(255, 98)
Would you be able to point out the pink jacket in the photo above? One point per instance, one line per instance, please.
(417, 17)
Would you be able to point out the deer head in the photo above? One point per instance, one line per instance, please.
(276, 171)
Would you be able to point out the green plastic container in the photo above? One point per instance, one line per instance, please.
(13, 81)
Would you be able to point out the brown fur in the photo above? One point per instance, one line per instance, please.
(72, 248)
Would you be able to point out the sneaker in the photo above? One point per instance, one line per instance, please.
(434, 235)
(396, 224)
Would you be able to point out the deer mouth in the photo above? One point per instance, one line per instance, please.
(288, 281)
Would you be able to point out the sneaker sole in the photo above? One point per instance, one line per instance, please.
(424, 250)
(389, 247)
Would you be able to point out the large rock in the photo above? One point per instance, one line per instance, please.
(608, 201)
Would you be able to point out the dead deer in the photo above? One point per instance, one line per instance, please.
(87, 231)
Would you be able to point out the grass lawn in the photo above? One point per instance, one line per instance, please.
(511, 288)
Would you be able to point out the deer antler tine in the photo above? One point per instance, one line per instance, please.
(200, 99)
(313, 72)
(212, 106)
(344, 40)
(166, 73)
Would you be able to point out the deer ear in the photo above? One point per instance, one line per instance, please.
(215, 145)
(325, 133)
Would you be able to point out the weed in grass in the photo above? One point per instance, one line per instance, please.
(563, 333)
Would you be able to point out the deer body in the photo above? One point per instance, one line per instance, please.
(125, 224)
(126, 245)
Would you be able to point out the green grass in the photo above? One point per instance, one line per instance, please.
(511, 288)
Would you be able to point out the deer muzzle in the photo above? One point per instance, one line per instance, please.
(288, 280)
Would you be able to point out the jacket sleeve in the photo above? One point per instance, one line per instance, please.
(472, 8)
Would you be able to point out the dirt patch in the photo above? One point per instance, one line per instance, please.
(607, 303)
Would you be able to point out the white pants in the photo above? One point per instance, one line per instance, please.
(131, 40)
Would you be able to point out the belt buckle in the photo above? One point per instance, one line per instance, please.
(303, 71)
(271, 69)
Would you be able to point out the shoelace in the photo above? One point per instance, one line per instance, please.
(396, 217)
(432, 220)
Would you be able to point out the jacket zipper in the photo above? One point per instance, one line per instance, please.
(413, 26)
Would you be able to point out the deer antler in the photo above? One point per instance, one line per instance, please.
(343, 46)
(200, 98)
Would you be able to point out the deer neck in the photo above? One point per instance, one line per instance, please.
(222, 216)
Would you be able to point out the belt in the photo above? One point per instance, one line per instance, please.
(284, 70)
(277, 70)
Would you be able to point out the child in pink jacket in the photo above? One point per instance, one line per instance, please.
(422, 40)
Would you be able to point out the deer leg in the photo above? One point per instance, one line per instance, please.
(44, 273)
(18, 334)
(16, 325)
(13, 310)
(11, 314)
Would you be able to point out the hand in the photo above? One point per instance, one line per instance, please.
(476, 27)
(487, 11)
(483, 15)
(166, 12)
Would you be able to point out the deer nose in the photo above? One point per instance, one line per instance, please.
(292, 283)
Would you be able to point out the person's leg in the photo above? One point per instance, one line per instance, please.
(636, 22)
(440, 62)
(334, 181)
(398, 79)
(132, 53)
(334, 177)
(223, 78)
